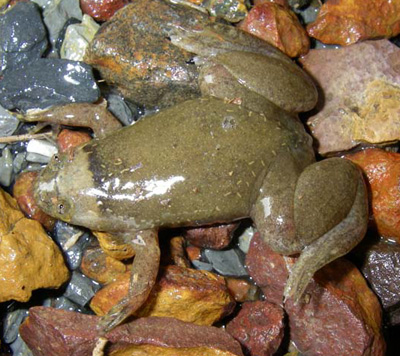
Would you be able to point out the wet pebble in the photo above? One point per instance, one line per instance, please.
(62, 303)
(245, 238)
(125, 112)
(47, 82)
(8, 123)
(74, 254)
(81, 289)
(77, 38)
(6, 167)
(23, 35)
(11, 323)
(55, 17)
(202, 265)
(227, 263)
(19, 348)
(40, 151)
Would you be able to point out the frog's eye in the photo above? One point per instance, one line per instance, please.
(56, 158)
(61, 209)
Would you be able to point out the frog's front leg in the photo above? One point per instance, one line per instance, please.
(143, 276)
(325, 216)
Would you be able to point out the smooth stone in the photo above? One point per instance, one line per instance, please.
(202, 265)
(74, 254)
(6, 167)
(42, 147)
(19, 162)
(11, 323)
(48, 82)
(19, 348)
(81, 289)
(245, 239)
(77, 38)
(62, 303)
(121, 110)
(66, 235)
(8, 124)
(23, 36)
(227, 263)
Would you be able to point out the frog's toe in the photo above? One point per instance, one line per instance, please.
(335, 243)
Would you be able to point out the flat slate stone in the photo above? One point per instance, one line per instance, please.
(47, 82)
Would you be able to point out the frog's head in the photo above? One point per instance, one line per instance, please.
(60, 190)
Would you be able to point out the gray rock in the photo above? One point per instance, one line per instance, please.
(55, 17)
(19, 162)
(227, 263)
(74, 254)
(61, 303)
(202, 265)
(8, 124)
(23, 36)
(11, 323)
(66, 235)
(19, 348)
(6, 167)
(47, 82)
(120, 109)
(81, 289)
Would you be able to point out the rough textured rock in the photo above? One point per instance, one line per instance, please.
(215, 237)
(102, 10)
(54, 81)
(56, 332)
(259, 327)
(360, 95)
(382, 169)
(380, 264)
(279, 26)
(23, 35)
(29, 259)
(339, 315)
(195, 296)
(100, 267)
(268, 269)
(345, 22)
(157, 72)
(23, 192)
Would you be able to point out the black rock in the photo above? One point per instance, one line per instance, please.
(23, 35)
(47, 82)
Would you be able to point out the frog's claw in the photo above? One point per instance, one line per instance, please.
(335, 243)
(143, 276)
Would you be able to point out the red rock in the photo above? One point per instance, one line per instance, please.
(56, 332)
(268, 269)
(23, 193)
(345, 22)
(382, 170)
(259, 327)
(279, 26)
(214, 237)
(339, 315)
(102, 10)
(68, 139)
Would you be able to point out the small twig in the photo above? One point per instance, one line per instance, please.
(26, 137)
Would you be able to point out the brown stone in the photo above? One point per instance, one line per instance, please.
(242, 290)
(268, 269)
(57, 332)
(259, 327)
(382, 169)
(339, 314)
(359, 100)
(96, 264)
(279, 26)
(114, 246)
(102, 10)
(23, 192)
(177, 252)
(199, 297)
(215, 237)
(29, 259)
(193, 252)
(69, 139)
(345, 22)
(133, 52)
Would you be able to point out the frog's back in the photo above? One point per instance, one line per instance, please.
(199, 162)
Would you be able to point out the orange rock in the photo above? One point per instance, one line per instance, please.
(279, 26)
(338, 307)
(193, 252)
(177, 251)
(242, 290)
(382, 169)
(29, 259)
(199, 297)
(101, 267)
(114, 246)
(68, 139)
(345, 22)
(23, 192)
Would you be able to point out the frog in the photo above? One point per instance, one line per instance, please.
(237, 151)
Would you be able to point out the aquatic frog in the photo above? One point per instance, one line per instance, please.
(206, 161)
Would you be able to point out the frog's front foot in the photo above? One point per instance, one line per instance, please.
(327, 217)
(143, 276)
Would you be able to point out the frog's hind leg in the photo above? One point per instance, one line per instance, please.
(143, 276)
(331, 217)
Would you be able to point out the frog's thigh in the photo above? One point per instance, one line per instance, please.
(331, 215)
(143, 276)
(273, 212)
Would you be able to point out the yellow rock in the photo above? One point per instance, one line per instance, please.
(114, 246)
(186, 294)
(29, 259)
(145, 350)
